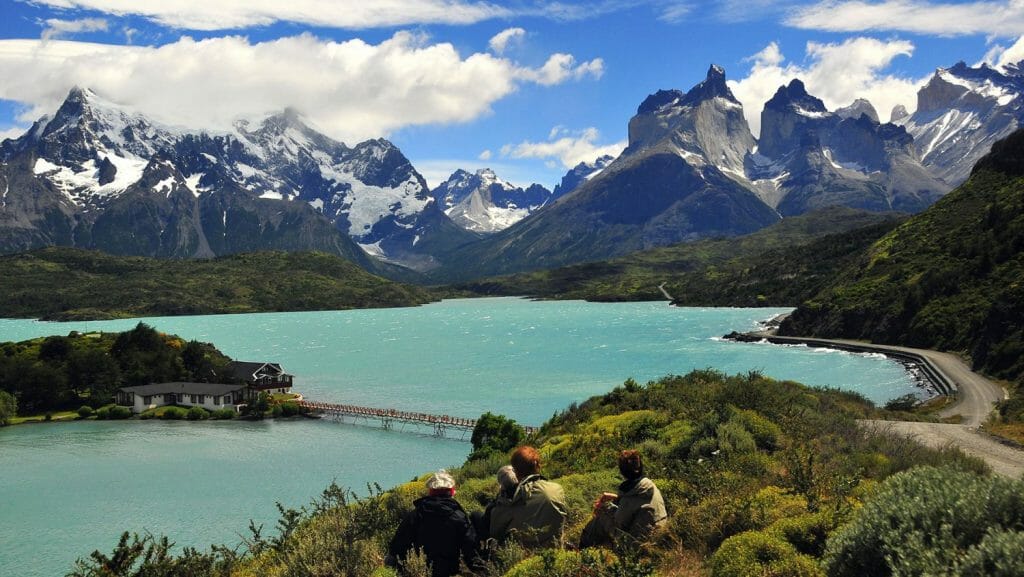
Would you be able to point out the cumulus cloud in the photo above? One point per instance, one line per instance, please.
(999, 56)
(567, 147)
(56, 28)
(485, 155)
(500, 41)
(234, 14)
(12, 132)
(1004, 18)
(836, 73)
(352, 90)
(561, 67)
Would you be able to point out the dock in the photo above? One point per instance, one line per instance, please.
(389, 419)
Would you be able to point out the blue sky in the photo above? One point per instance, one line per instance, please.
(526, 88)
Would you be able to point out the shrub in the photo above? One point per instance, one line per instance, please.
(276, 411)
(197, 414)
(999, 554)
(924, 521)
(808, 532)
(173, 414)
(905, 403)
(557, 563)
(118, 412)
(85, 411)
(223, 415)
(147, 416)
(103, 413)
(759, 553)
(290, 409)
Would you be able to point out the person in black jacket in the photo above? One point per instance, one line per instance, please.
(437, 526)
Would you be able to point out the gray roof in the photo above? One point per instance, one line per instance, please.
(247, 369)
(183, 389)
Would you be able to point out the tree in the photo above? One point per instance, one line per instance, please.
(93, 371)
(8, 408)
(495, 434)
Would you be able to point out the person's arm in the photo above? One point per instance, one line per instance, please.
(404, 536)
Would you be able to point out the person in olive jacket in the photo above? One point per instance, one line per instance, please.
(536, 515)
(635, 512)
(437, 526)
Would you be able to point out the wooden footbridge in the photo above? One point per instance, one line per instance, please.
(390, 418)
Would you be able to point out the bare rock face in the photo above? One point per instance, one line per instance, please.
(899, 114)
(856, 109)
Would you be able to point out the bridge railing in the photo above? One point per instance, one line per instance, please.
(440, 422)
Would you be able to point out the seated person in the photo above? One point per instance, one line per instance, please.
(438, 527)
(507, 483)
(635, 512)
(536, 515)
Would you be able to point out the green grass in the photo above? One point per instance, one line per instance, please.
(41, 418)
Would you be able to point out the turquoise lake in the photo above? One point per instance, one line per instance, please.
(70, 488)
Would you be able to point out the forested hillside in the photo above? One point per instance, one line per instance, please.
(778, 266)
(950, 278)
(65, 284)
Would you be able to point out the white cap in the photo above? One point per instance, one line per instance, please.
(441, 480)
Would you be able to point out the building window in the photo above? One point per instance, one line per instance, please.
(147, 400)
(202, 399)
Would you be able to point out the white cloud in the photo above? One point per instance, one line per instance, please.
(1004, 18)
(568, 147)
(561, 67)
(500, 41)
(56, 28)
(12, 132)
(836, 73)
(352, 90)
(675, 12)
(486, 154)
(1000, 56)
(234, 14)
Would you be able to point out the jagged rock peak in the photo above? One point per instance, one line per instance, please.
(713, 86)
(857, 108)
(899, 113)
(659, 100)
(795, 96)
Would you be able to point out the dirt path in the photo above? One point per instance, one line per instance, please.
(976, 397)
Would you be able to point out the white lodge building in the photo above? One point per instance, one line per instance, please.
(210, 396)
(251, 380)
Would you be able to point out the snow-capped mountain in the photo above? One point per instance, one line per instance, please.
(961, 112)
(274, 184)
(579, 174)
(482, 202)
(694, 170)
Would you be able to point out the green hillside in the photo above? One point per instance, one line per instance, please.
(950, 278)
(777, 266)
(760, 477)
(66, 283)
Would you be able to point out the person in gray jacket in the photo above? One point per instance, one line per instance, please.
(635, 512)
